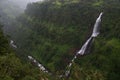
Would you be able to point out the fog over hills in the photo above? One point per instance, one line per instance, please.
(23, 3)
(9, 9)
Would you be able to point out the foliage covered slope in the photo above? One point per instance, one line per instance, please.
(54, 30)
(12, 68)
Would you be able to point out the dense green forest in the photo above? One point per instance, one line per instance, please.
(53, 31)
(11, 67)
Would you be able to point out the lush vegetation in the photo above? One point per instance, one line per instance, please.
(12, 68)
(54, 30)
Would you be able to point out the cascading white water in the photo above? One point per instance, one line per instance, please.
(94, 34)
(12, 44)
(41, 67)
(96, 26)
(84, 47)
(31, 58)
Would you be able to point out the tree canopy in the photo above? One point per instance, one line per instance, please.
(52, 31)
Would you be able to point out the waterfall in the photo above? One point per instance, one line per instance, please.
(85, 46)
(41, 67)
(12, 44)
(94, 34)
(96, 26)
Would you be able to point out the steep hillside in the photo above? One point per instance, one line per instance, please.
(54, 30)
(12, 68)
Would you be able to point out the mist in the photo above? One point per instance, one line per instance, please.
(9, 10)
(23, 3)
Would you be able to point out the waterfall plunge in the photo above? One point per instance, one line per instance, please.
(84, 47)
(96, 26)
(94, 34)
